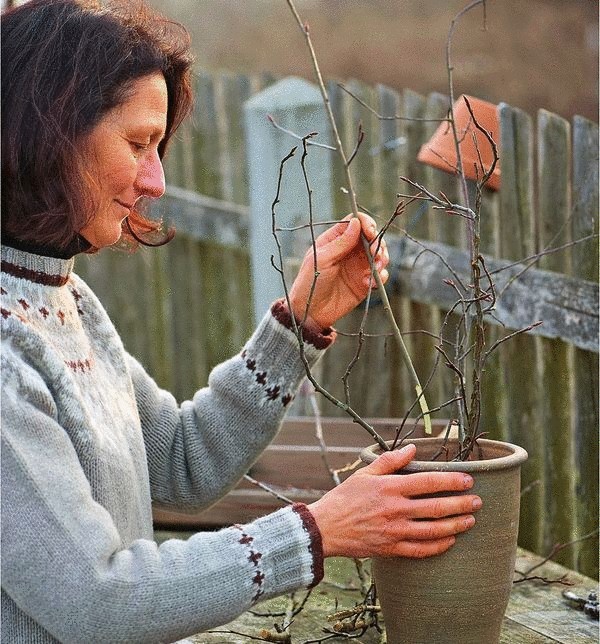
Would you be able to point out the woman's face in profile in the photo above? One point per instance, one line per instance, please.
(123, 158)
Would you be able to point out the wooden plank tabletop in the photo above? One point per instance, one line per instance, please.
(537, 612)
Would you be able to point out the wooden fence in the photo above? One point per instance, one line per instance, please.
(185, 307)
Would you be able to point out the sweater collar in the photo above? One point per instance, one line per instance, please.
(49, 271)
(77, 245)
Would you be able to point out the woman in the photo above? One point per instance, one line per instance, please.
(90, 98)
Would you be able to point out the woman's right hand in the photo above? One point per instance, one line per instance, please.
(376, 514)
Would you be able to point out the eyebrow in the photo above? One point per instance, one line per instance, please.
(150, 129)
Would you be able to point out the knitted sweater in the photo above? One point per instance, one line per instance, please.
(88, 440)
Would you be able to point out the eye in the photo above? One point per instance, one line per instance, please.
(139, 147)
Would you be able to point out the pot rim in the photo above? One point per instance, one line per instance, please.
(515, 457)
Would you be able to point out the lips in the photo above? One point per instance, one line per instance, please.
(129, 207)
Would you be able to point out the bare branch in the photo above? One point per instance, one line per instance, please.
(556, 549)
(268, 489)
(298, 136)
(396, 117)
(445, 203)
(509, 336)
(561, 580)
(537, 256)
(359, 139)
(315, 223)
(487, 173)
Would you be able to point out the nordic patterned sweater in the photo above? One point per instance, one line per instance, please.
(88, 440)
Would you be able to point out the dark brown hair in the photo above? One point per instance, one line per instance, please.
(65, 63)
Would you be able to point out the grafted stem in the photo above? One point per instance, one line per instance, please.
(354, 207)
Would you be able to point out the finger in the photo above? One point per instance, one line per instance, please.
(380, 254)
(440, 528)
(370, 281)
(422, 549)
(377, 246)
(341, 245)
(390, 462)
(444, 506)
(332, 233)
(433, 482)
(368, 225)
(384, 254)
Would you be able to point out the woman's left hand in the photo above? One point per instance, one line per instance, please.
(344, 272)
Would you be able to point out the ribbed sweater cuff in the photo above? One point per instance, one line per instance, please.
(316, 542)
(282, 314)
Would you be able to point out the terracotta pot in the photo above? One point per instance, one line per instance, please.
(461, 595)
(440, 151)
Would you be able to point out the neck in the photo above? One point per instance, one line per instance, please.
(78, 245)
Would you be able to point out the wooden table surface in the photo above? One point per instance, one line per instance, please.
(537, 612)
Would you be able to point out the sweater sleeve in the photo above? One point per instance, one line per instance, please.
(198, 451)
(65, 566)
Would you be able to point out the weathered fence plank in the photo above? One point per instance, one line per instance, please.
(392, 154)
(585, 266)
(520, 356)
(420, 222)
(493, 394)
(187, 332)
(421, 275)
(444, 228)
(204, 218)
(554, 210)
(206, 158)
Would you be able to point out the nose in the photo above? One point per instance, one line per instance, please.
(150, 181)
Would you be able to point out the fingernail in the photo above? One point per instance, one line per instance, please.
(468, 481)
(469, 522)
(476, 503)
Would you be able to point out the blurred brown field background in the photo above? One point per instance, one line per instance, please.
(534, 53)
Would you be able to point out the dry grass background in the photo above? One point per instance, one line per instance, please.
(534, 53)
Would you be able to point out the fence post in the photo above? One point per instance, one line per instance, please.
(295, 105)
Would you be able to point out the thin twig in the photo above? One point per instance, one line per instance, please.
(350, 612)
(556, 549)
(444, 203)
(541, 254)
(250, 637)
(321, 439)
(359, 139)
(315, 223)
(268, 489)
(298, 136)
(535, 260)
(487, 173)
(561, 580)
(359, 346)
(396, 117)
(509, 336)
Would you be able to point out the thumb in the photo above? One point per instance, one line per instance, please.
(344, 243)
(390, 462)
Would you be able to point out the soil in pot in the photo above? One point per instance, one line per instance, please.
(461, 595)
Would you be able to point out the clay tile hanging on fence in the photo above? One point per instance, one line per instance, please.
(440, 152)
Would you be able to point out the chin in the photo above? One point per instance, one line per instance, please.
(103, 238)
